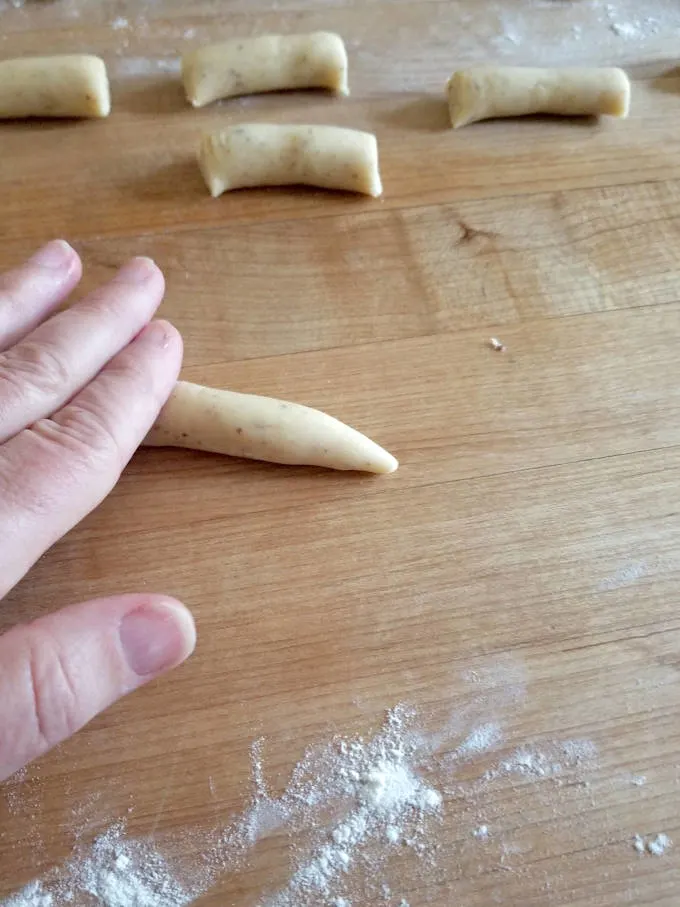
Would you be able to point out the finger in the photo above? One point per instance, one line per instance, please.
(29, 293)
(57, 673)
(56, 472)
(43, 371)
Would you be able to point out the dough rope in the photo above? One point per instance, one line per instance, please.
(263, 428)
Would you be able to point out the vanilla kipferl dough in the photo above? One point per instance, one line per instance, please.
(266, 63)
(263, 428)
(264, 154)
(73, 85)
(483, 92)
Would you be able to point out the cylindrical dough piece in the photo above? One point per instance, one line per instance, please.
(483, 92)
(73, 85)
(263, 428)
(266, 154)
(266, 63)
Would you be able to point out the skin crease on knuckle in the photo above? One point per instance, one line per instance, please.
(95, 425)
(86, 430)
(57, 459)
(86, 435)
(30, 370)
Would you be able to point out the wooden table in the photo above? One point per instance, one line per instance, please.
(529, 540)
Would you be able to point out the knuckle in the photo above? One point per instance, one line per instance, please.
(134, 373)
(97, 306)
(12, 388)
(54, 698)
(85, 432)
(33, 368)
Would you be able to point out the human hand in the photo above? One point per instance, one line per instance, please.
(78, 393)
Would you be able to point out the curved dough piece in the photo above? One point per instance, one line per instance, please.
(262, 428)
(482, 92)
(267, 63)
(259, 154)
(73, 85)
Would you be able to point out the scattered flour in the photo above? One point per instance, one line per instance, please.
(114, 870)
(377, 783)
(15, 797)
(625, 576)
(625, 29)
(33, 895)
(348, 804)
(393, 834)
(631, 29)
(122, 873)
(134, 67)
(552, 760)
(659, 845)
(481, 739)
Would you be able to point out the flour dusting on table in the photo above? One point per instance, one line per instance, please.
(33, 895)
(355, 810)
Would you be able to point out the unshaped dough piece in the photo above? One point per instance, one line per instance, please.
(482, 92)
(265, 154)
(74, 85)
(266, 63)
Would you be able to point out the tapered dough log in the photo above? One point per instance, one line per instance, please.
(73, 85)
(266, 63)
(264, 154)
(483, 92)
(262, 428)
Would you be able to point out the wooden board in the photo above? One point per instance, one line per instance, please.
(520, 568)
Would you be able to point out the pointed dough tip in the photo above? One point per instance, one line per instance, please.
(384, 463)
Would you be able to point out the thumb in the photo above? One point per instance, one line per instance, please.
(57, 673)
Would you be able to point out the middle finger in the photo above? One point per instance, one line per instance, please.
(46, 369)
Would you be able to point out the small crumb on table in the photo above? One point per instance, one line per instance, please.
(657, 846)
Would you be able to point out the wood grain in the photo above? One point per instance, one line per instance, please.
(530, 539)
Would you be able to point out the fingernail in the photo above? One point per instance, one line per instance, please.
(56, 254)
(138, 270)
(157, 637)
(157, 333)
